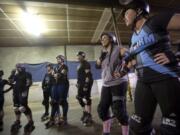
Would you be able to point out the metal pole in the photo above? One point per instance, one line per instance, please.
(116, 28)
(65, 53)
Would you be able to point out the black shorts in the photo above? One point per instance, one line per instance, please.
(20, 98)
(84, 93)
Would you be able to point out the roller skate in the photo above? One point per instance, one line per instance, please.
(87, 120)
(15, 127)
(50, 123)
(29, 127)
(45, 117)
(83, 116)
(63, 121)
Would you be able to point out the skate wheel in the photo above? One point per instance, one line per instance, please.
(27, 132)
(15, 130)
(45, 118)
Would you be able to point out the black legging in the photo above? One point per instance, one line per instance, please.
(59, 97)
(114, 96)
(167, 94)
(46, 96)
(64, 102)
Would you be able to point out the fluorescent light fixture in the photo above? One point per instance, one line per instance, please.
(33, 24)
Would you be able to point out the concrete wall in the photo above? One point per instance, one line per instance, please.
(97, 51)
(72, 51)
(9, 56)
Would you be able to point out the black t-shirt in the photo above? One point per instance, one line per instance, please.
(22, 81)
(81, 72)
(153, 39)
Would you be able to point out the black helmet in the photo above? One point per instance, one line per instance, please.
(19, 65)
(49, 65)
(1, 72)
(60, 57)
(81, 53)
(111, 35)
(135, 4)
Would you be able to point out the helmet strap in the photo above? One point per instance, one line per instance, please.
(139, 15)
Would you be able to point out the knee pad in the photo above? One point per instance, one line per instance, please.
(169, 126)
(138, 126)
(80, 99)
(102, 114)
(119, 110)
(16, 110)
(27, 111)
(22, 109)
(88, 101)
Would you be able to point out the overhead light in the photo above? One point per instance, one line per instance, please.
(33, 24)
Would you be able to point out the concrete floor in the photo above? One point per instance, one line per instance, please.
(74, 127)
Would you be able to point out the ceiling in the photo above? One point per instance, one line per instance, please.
(68, 22)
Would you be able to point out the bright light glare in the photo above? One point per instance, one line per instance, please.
(33, 24)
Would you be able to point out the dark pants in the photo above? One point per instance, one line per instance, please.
(20, 98)
(46, 96)
(59, 97)
(166, 93)
(86, 94)
(55, 109)
(64, 102)
(114, 97)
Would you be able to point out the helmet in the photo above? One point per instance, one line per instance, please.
(60, 57)
(49, 65)
(81, 53)
(18, 65)
(135, 4)
(1, 72)
(21, 66)
(111, 35)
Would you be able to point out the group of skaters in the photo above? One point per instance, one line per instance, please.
(19, 81)
(149, 54)
(55, 85)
